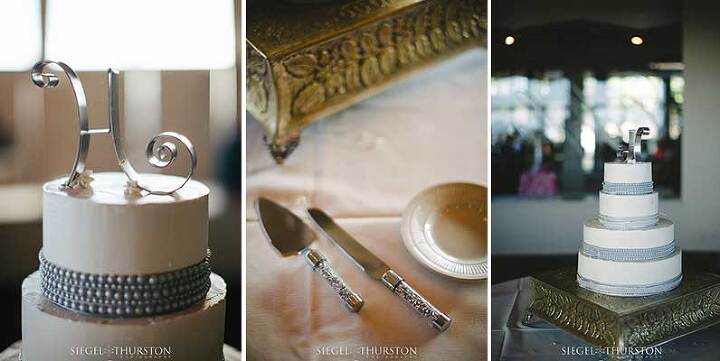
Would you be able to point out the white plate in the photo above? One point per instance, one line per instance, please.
(445, 228)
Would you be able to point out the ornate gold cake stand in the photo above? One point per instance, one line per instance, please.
(305, 61)
(622, 323)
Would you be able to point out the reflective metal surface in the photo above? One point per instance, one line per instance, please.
(306, 61)
(290, 236)
(363, 258)
(377, 269)
(285, 231)
(50, 80)
(632, 151)
(516, 337)
(161, 150)
(610, 321)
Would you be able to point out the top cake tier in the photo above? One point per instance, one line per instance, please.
(620, 172)
(106, 230)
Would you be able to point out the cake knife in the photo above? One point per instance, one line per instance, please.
(290, 236)
(378, 270)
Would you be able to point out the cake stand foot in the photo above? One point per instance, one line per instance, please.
(281, 151)
(528, 319)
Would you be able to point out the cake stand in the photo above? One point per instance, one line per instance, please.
(623, 323)
(307, 61)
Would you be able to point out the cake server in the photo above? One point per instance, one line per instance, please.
(378, 270)
(291, 236)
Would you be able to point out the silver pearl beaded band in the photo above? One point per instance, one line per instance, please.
(125, 296)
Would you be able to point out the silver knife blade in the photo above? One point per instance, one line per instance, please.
(363, 258)
(285, 231)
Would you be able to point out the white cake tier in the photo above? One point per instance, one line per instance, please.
(658, 235)
(619, 172)
(102, 230)
(630, 273)
(53, 333)
(628, 206)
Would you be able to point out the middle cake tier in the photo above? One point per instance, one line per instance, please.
(659, 235)
(619, 206)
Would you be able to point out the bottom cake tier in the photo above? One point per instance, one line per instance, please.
(53, 333)
(630, 279)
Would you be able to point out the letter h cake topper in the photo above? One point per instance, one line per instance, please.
(161, 150)
(632, 151)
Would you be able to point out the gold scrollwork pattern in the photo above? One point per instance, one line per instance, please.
(653, 326)
(630, 324)
(257, 81)
(357, 8)
(591, 323)
(357, 61)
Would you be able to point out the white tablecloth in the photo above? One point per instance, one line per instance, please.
(363, 166)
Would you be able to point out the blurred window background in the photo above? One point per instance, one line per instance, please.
(530, 117)
(569, 80)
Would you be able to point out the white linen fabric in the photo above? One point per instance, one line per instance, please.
(363, 166)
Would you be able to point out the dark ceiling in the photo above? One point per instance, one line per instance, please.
(580, 35)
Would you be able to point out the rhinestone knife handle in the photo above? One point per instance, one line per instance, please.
(416, 301)
(320, 264)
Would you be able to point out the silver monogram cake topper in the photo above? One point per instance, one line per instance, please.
(160, 152)
(632, 151)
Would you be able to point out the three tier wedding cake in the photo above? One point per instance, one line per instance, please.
(629, 250)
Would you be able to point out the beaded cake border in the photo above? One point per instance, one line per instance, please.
(124, 296)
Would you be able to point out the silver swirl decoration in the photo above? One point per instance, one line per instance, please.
(161, 151)
(45, 79)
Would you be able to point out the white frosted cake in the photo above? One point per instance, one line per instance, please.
(629, 249)
(123, 275)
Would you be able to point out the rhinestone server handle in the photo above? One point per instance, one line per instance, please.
(415, 300)
(319, 264)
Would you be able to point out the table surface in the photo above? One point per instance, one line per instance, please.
(363, 166)
(12, 353)
(512, 339)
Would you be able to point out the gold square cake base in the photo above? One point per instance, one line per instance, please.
(306, 61)
(626, 322)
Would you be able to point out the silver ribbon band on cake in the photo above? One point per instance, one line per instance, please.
(629, 290)
(627, 188)
(125, 295)
(629, 254)
(627, 223)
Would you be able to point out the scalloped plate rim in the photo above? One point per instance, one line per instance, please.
(411, 243)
